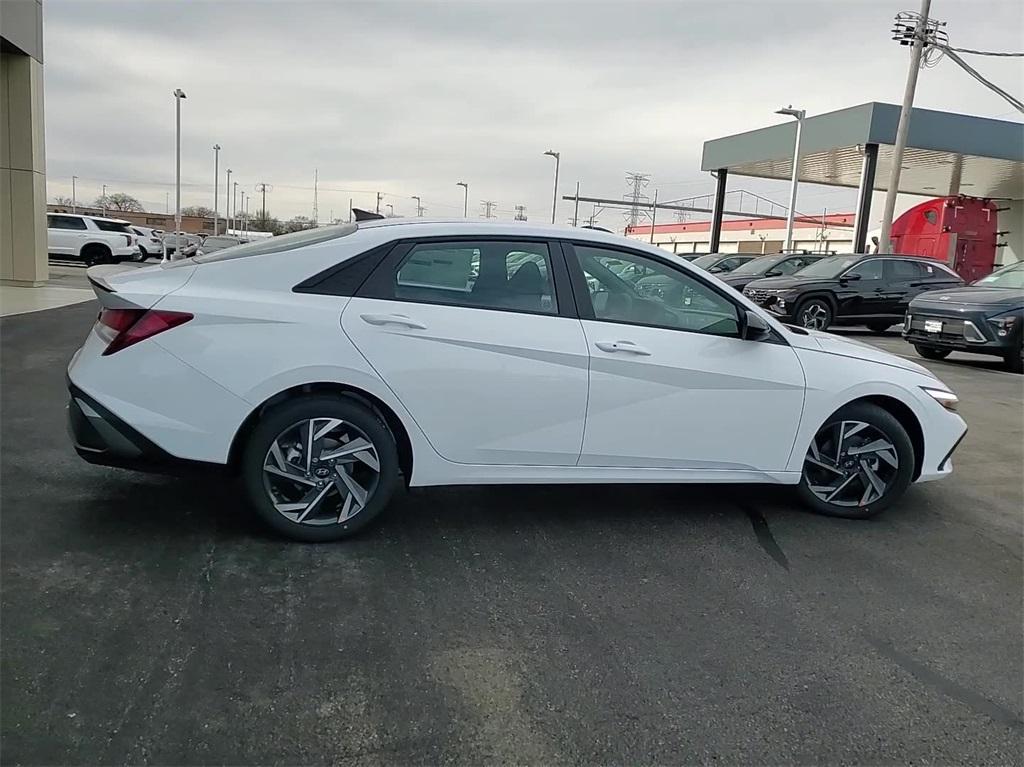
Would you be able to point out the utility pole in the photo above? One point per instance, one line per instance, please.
(520, 212)
(488, 208)
(74, 199)
(654, 215)
(316, 183)
(465, 198)
(263, 187)
(380, 196)
(576, 208)
(216, 181)
(921, 30)
(636, 196)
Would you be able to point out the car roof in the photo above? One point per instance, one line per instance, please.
(102, 218)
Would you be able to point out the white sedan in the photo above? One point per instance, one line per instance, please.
(324, 366)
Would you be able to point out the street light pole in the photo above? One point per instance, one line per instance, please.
(920, 29)
(554, 196)
(465, 200)
(799, 114)
(227, 204)
(179, 94)
(234, 204)
(104, 197)
(242, 226)
(216, 182)
(74, 198)
(419, 206)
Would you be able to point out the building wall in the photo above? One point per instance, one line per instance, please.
(22, 156)
(1012, 222)
(165, 221)
(755, 236)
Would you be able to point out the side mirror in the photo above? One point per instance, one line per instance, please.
(754, 327)
(849, 277)
(773, 273)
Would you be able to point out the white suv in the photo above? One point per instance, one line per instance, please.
(150, 243)
(91, 238)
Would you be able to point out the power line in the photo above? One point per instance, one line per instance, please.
(1013, 100)
(985, 53)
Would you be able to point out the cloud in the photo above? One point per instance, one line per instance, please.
(408, 98)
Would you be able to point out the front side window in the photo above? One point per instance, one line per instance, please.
(514, 276)
(664, 297)
(869, 270)
(65, 222)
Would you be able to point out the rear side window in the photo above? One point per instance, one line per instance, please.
(906, 270)
(110, 226)
(514, 276)
(65, 222)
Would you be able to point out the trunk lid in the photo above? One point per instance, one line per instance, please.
(125, 286)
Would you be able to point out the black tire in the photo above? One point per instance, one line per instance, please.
(96, 254)
(932, 353)
(290, 414)
(891, 430)
(879, 327)
(1014, 361)
(142, 255)
(814, 314)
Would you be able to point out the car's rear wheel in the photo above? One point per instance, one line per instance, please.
(879, 327)
(96, 254)
(931, 352)
(858, 464)
(814, 314)
(142, 255)
(320, 468)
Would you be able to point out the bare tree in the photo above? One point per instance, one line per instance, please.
(119, 201)
(197, 210)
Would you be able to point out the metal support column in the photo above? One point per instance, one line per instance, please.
(719, 207)
(867, 186)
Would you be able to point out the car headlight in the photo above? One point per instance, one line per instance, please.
(945, 398)
(906, 322)
(1003, 325)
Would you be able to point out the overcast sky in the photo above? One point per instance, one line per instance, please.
(410, 97)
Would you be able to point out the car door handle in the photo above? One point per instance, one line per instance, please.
(392, 319)
(622, 346)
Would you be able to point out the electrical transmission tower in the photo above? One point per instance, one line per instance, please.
(263, 188)
(488, 208)
(636, 197)
(520, 212)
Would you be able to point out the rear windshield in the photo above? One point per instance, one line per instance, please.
(110, 226)
(277, 244)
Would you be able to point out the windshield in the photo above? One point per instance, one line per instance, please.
(705, 261)
(758, 265)
(1008, 277)
(832, 266)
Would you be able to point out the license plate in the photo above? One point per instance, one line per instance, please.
(932, 326)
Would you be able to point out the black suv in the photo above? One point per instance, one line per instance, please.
(775, 265)
(986, 317)
(854, 289)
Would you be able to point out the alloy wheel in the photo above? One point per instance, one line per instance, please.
(814, 316)
(850, 463)
(321, 471)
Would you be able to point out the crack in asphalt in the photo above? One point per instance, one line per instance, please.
(994, 711)
(765, 537)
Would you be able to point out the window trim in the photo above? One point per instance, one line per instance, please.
(585, 307)
(379, 284)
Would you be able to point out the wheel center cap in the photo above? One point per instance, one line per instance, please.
(321, 472)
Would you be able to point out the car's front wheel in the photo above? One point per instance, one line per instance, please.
(931, 352)
(860, 462)
(814, 314)
(1014, 360)
(320, 468)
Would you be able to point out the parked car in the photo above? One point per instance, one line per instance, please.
(93, 239)
(986, 317)
(189, 243)
(217, 242)
(151, 245)
(853, 289)
(776, 265)
(719, 263)
(322, 365)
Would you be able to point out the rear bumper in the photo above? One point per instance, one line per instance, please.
(103, 439)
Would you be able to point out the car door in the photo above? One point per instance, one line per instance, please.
(862, 292)
(672, 384)
(478, 340)
(65, 234)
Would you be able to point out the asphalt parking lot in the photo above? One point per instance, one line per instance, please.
(152, 620)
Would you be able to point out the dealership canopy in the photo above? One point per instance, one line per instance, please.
(946, 154)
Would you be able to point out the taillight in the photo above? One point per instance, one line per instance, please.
(128, 237)
(123, 327)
